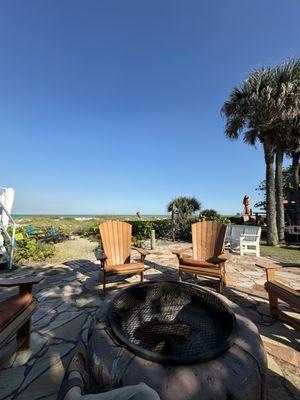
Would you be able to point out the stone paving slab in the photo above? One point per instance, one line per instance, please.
(71, 293)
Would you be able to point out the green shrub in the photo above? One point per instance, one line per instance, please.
(235, 219)
(136, 242)
(183, 228)
(141, 229)
(89, 231)
(162, 228)
(28, 247)
(219, 218)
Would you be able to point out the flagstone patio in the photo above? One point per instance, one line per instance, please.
(70, 294)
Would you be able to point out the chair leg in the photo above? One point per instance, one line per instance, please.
(241, 247)
(224, 278)
(273, 303)
(179, 275)
(142, 276)
(221, 288)
(257, 251)
(104, 283)
(23, 336)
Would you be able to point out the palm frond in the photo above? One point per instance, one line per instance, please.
(268, 101)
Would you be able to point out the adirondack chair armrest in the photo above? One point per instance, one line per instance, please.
(143, 252)
(267, 266)
(224, 257)
(100, 256)
(25, 284)
(221, 259)
(179, 253)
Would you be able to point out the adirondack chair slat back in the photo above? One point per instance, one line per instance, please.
(208, 239)
(116, 241)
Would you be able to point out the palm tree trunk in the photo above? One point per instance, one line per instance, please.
(173, 223)
(279, 194)
(296, 179)
(272, 236)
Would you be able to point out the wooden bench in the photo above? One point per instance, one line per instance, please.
(277, 290)
(15, 314)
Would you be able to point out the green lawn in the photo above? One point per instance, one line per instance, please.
(284, 253)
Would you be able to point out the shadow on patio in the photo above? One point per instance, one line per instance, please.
(69, 296)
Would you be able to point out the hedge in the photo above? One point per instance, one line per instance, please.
(141, 229)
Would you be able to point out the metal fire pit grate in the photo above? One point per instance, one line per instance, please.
(172, 322)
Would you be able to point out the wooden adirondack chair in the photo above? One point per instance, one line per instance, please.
(15, 314)
(277, 290)
(209, 259)
(116, 244)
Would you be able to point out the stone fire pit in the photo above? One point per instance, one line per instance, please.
(182, 340)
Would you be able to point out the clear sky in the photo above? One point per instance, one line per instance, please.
(113, 106)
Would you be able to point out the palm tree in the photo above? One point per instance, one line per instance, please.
(279, 192)
(262, 108)
(250, 111)
(182, 207)
(287, 97)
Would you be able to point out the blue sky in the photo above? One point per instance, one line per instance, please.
(114, 106)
